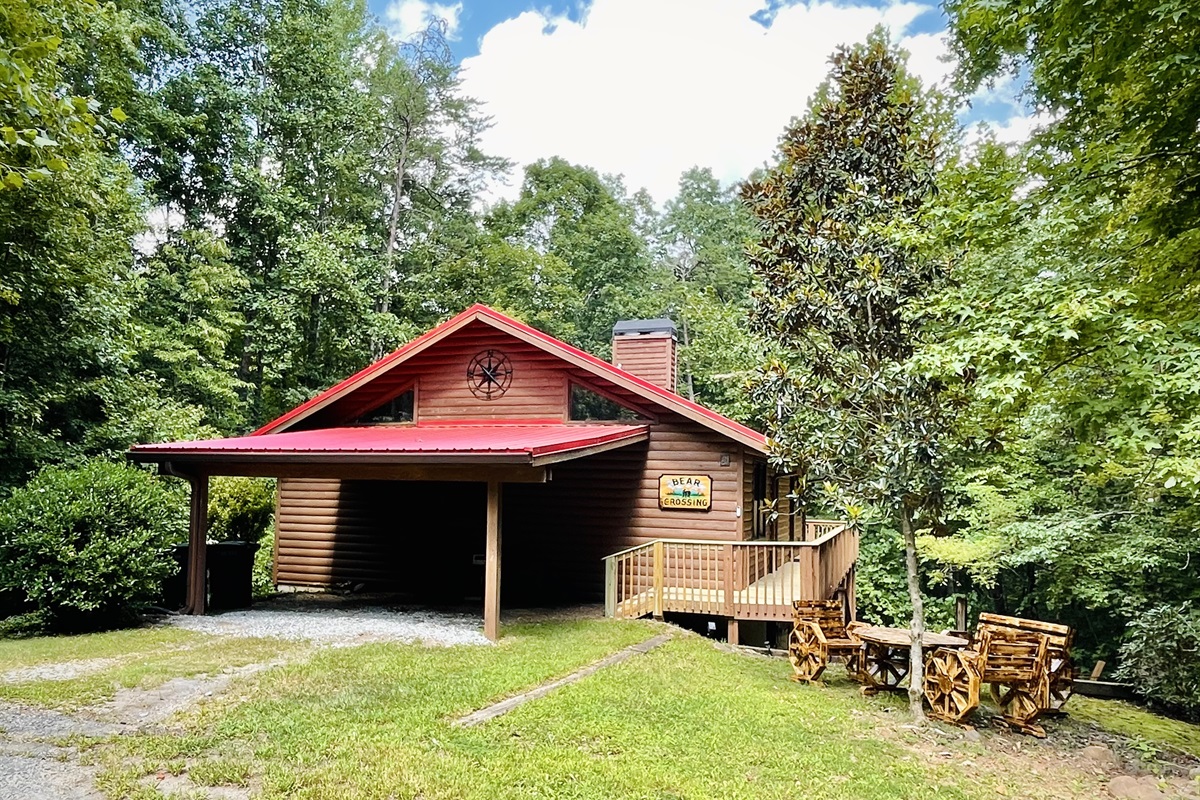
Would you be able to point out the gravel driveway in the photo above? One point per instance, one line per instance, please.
(343, 627)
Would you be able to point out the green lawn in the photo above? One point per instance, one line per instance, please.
(688, 720)
(31, 652)
(685, 721)
(114, 660)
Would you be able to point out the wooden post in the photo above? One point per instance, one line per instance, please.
(658, 580)
(727, 579)
(960, 612)
(731, 635)
(851, 599)
(197, 584)
(810, 588)
(491, 574)
(610, 586)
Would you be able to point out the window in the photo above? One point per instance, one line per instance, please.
(398, 409)
(587, 405)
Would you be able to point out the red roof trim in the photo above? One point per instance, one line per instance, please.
(648, 390)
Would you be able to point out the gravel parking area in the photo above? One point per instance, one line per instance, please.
(343, 627)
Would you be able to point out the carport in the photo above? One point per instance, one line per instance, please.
(488, 452)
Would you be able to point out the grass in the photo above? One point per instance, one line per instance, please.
(687, 720)
(1138, 724)
(143, 658)
(16, 653)
(684, 721)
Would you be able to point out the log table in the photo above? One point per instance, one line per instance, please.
(884, 662)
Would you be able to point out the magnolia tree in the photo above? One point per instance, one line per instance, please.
(840, 252)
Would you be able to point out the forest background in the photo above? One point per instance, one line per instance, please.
(213, 210)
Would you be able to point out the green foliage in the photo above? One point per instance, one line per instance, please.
(188, 310)
(262, 579)
(880, 583)
(841, 262)
(1161, 656)
(588, 224)
(1073, 316)
(43, 129)
(240, 509)
(85, 545)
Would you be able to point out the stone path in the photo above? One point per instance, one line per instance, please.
(33, 763)
(504, 706)
(32, 766)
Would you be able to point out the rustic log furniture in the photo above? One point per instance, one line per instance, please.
(819, 632)
(885, 655)
(1027, 663)
(1061, 669)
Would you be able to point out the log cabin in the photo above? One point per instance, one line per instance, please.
(486, 442)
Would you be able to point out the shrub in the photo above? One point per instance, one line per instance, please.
(85, 546)
(1161, 656)
(240, 508)
(262, 580)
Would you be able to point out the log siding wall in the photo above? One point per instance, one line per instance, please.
(554, 534)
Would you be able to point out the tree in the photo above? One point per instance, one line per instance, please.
(704, 230)
(42, 127)
(841, 254)
(431, 164)
(1075, 313)
(1081, 484)
(587, 223)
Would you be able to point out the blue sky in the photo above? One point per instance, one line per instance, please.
(649, 88)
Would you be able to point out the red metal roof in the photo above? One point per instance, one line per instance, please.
(648, 390)
(533, 442)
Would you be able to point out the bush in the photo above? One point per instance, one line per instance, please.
(240, 509)
(1161, 657)
(262, 580)
(84, 546)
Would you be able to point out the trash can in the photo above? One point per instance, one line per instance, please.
(230, 574)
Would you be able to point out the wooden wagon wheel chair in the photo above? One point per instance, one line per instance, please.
(952, 683)
(1015, 663)
(808, 650)
(819, 632)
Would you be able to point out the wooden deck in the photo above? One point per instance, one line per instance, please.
(743, 580)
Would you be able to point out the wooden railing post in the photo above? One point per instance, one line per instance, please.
(658, 579)
(727, 579)
(810, 575)
(610, 586)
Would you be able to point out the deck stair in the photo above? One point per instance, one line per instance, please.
(740, 580)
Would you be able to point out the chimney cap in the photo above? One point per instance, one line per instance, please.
(638, 327)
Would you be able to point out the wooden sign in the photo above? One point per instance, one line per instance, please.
(685, 492)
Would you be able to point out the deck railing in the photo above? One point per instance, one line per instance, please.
(741, 580)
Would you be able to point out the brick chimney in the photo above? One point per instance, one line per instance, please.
(646, 348)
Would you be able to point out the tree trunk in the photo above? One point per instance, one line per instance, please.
(916, 659)
(385, 303)
(687, 341)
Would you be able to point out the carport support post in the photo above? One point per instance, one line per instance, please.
(197, 588)
(491, 573)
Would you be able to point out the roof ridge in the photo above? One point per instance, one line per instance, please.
(480, 312)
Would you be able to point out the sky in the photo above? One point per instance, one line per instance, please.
(649, 88)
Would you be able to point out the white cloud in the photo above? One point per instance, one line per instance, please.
(407, 18)
(649, 88)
